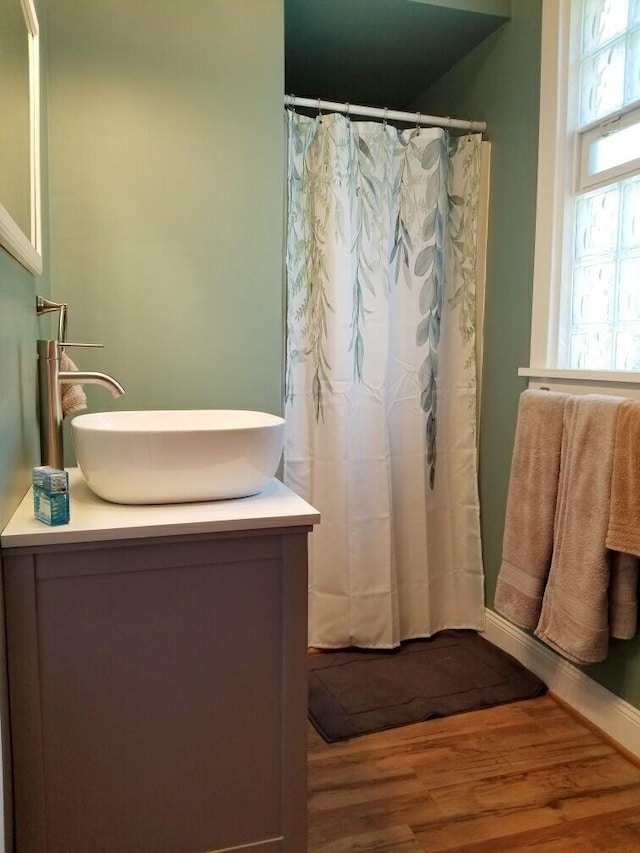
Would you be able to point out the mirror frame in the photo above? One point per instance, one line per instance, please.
(28, 250)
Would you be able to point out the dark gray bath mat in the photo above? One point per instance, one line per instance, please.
(356, 692)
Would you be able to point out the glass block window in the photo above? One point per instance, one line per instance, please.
(604, 302)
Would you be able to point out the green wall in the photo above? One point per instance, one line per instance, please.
(166, 152)
(499, 83)
(19, 442)
(18, 432)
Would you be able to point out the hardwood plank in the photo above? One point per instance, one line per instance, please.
(374, 815)
(620, 834)
(519, 777)
(395, 839)
(352, 785)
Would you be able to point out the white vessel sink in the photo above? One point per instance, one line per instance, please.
(177, 456)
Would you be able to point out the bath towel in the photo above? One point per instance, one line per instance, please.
(623, 596)
(73, 397)
(623, 533)
(574, 619)
(531, 503)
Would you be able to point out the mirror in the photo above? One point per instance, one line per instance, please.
(20, 133)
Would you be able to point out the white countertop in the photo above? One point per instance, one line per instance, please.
(96, 520)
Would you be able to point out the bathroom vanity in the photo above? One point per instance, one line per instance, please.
(157, 675)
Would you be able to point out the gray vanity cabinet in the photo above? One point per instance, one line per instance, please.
(158, 693)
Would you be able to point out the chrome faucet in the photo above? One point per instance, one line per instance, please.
(51, 379)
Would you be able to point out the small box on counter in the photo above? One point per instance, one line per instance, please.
(51, 507)
(51, 480)
(51, 495)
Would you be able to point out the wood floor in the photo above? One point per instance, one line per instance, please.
(521, 777)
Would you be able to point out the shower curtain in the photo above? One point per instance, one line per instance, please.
(380, 376)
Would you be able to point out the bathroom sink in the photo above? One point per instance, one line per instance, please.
(171, 456)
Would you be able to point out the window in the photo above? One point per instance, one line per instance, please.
(587, 278)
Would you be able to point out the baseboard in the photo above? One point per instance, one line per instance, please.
(616, 719)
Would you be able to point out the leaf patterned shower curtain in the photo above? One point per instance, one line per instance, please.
(380, 377)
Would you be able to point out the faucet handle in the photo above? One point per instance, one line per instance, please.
(44, 306)
(62, 344)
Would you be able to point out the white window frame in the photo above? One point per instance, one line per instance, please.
(558, 162)
(590, 181)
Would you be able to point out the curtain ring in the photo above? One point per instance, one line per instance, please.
(418, 117)
(384, 119)
(448, 125)
(319, 110)
(347, 108)
(292, 103)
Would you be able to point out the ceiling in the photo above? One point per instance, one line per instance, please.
(381, 53)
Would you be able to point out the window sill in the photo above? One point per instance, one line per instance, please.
(605, 377)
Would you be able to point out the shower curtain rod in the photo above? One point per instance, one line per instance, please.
(392, 115)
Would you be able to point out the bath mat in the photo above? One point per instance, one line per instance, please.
(356, 692)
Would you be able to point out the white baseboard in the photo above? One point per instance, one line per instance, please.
(616, 718)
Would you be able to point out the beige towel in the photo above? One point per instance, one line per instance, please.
(574, 618)
(531, 503)
(623, 533)
(73, 397)
(623, 596)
